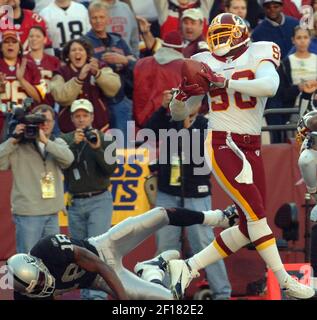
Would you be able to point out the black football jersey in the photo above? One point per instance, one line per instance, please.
(57, 253)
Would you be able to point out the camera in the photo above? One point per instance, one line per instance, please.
(32, 121)
(90, 135)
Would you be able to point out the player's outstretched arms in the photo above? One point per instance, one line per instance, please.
(90, 262)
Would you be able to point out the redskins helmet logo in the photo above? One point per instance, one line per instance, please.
(226, 32)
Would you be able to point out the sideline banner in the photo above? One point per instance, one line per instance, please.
(127, 186)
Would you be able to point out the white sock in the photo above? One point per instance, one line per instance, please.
(213, 217)
(233, 240)
(267, 249)
(205, 257)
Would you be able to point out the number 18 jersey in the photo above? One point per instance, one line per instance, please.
(231, 110)
(65, 25)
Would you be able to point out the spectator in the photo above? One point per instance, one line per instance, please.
(170, 13)
(314, 5)
(192, 31)
(153, 75)
(23, 21)
(147, 10)
(217, 8)
(123, 22)
(313, 41)
(111, 49)
(276, 27)
(149, 44)
(196, 193)
(83, 77)
(41, 4)
(28, 4)
(66, 20)
(37, 193)
(292, 8)
(297, 69)
(88, 180)
(255, 13)
(21, 77)
(45, 63)
(238, 7)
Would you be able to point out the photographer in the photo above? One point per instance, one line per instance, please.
(88, 180)
(37, 193)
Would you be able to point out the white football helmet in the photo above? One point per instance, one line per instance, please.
(31, 276)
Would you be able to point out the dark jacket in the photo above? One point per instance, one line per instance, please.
(287, 91)
(195, 186)
(281, 35)
(93, 171)
(114, 43)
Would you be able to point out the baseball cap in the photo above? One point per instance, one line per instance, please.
(82, 104)
(269, 1)
(173, 40)
(194, 14)
(9, 34)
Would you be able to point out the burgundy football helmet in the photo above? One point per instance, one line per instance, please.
(226, 32)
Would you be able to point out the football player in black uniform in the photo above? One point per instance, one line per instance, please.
(57, 264)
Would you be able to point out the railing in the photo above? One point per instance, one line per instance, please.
(281, 127)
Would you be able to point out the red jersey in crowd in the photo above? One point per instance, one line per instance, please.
(23, 25)
(47, 66)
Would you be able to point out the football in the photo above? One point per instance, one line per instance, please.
(191, 70)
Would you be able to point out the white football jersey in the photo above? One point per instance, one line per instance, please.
(230, 110)
(65, 25)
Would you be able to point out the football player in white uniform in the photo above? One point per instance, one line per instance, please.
(66, 20)
(241, 75)
(307, 160)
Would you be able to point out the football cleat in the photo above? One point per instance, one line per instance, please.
(297, 290)
(231, 216)
(181, 275)
(154, 269)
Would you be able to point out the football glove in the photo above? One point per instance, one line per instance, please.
(185, 91)
(216, 80)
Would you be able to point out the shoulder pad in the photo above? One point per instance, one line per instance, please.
(202, 56)
(266, 51)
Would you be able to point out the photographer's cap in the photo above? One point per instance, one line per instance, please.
(82, 104)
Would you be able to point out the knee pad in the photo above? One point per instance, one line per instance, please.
(234, 239)
(258, 229)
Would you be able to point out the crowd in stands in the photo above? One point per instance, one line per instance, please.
(129, 37)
